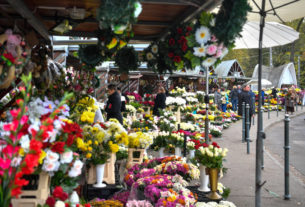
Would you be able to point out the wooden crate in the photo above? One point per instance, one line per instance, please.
(38, 195)
(109, 172)
(131, 160)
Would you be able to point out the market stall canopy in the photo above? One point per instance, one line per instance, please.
(229, 68)
(278, 10)
(278, 76)
(275, 34)
(255, 82)
(155, 21)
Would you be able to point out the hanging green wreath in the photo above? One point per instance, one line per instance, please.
(90, 55)
(127, 59)
(118, 14)
(229, 21)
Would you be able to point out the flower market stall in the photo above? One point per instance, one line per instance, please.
(57, 147)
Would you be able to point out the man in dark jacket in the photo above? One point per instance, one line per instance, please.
(123, 100)
(113, 107)
(245, 96)
(159, 101)
(234, 98)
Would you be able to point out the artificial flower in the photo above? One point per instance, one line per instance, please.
(200, 51)
(202, 35)
(208, 62)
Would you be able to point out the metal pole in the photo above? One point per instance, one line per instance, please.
(207, 102)
(253, 121)
(248, 127)
(244, 122)
(263, 165)
(270, 56)
(277, 106)
(287, 147)
(258, 159)
(268, 105)
(299, 71)
(296, 106)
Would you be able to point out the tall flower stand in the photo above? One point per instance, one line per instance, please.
(178, 115)
(213, 173)
(178, 151)
(109, 172)
(135, 156)
(35, 193)
(99, 176)
(192, 154)
(204, 179)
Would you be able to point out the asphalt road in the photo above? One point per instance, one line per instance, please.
(275, 141)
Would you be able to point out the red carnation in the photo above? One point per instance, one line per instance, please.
(171, 54)
(171, 42)
(205, 145)
(9, 56)
(57, 191)
(215, 144)
(67, 205)
(64, 196)
(188, 28)
(58, 147)
(184, 47)
(177, 59)
(70, 139)
(51, 202)
(179, 30)
(35, 145)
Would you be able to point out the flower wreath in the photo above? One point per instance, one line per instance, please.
(215, 34)
(118, 14)
(127, 59)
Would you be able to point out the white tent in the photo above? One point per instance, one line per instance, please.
(278, 76)
(229, 68)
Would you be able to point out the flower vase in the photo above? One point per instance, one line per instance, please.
(99, 176)
(161, 152)
(178, 151)
(192, 154)
(213, 176)
(74, 199)
(204, 180)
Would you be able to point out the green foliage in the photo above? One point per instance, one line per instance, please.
(127, 59)
(90, 55)
(116, 13)
(230, 20)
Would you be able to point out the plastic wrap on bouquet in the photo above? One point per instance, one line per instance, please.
(178, 115)
(178, 151)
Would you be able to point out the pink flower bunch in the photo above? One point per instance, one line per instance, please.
(136, 203)
(122, 197)
(136, 95)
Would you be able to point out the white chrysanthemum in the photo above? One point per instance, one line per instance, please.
(60, 204)
(154, 49)
(50, 166)
(202, 35)
(200, 51)
(138, 9)
(149, 56)
(208, 62)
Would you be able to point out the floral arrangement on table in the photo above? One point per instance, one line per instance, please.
(190, 117)
(130, 109)
(14, 161)
(214, 204)
(140, 140)
(211, 156)
(176, 47)
(137, 97)
(215, 131)
(188, 127)
(200, 96)
(160, 140)
(84, 111)
(175, 101)
(137, 203)
(102, 139)
(177, 92)
(191, 100)
(145, 124)
(176, 140)
(58, 198)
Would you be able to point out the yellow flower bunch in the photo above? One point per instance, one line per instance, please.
(140, 140)
(107, 203)
(122, 138)
(87, 101)
(113, 147)
(88, 115)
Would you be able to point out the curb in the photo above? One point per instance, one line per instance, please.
(276, 122)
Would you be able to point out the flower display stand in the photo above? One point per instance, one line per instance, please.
(35, 193)
(178, 115)
(135, 156)
(109, 175)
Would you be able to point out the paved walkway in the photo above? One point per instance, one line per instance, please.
(241, 173)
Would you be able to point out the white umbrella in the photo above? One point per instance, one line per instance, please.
(265, 82)
(275, 34)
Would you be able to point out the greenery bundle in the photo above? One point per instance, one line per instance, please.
(127, 59)
(90, 55)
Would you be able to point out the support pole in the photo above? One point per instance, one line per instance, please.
(277, 106)
(296, 106)
(260, 133)
(207, 102)
(268, 105)
(184, 145)
(299, 71)
(263, 165)
(287, 147)
(243, 122)
(248, 127)
(253, 119)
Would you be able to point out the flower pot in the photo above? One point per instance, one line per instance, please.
(213, 176)
(204, 180)
(178, 151)
(161, 152)
(74, 199)
(192, 154)
(99, 176)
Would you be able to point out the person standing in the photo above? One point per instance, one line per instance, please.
(113, 106)
(234, 98)
(274, 92)
(224, 100)
(123, 100)
(290, 101)
(245, 97)
(159, 101)
(217, 98)
(238, 89)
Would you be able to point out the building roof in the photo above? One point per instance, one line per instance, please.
(284, 74)
(224, 68)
